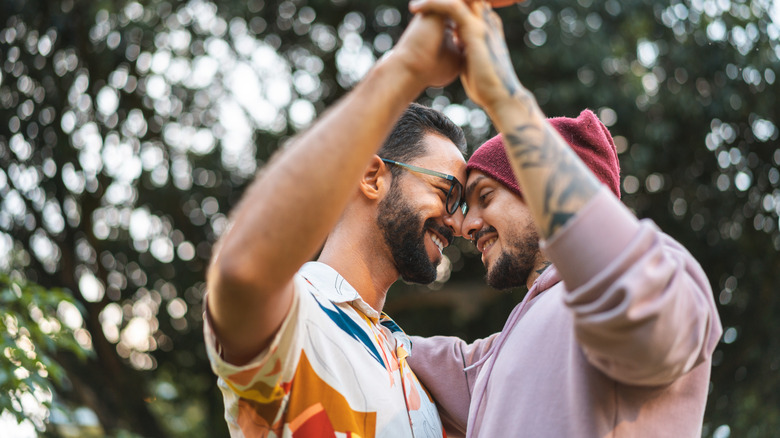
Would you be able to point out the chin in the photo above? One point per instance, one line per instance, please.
(419, 277)
(507, 273)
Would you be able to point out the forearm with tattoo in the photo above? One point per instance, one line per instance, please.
(499, 53)
(568, 185)
(534, 146)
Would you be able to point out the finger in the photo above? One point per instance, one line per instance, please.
(451, 41)
(468, 17)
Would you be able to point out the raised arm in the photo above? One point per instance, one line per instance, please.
(644, 312)
(288, 211)
(556, 183)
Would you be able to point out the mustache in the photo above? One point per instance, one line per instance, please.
(478, 235)
(445, 232)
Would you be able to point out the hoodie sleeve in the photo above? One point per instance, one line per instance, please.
(643, 308)
(439, 362)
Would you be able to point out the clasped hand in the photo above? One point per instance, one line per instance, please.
(451, 37)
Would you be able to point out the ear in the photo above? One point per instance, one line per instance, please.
(376, 179)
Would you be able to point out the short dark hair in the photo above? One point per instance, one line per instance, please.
(404, 143)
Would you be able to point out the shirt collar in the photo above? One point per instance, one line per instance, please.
(549, 278)
(331, 285)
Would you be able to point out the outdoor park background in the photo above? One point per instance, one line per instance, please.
(128, 129)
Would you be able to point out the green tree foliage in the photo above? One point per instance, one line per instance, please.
(130, 128)
(37, 326)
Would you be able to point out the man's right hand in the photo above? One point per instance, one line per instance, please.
(427, 51)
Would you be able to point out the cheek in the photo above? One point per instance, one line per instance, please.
(419, 195)
(513, 214)
(430, 204)
(494, 216)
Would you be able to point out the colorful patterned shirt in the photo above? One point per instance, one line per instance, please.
(335, 368)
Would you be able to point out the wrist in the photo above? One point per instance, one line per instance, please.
(395, 74)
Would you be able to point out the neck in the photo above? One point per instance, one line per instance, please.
(362, 264)
(540, 265)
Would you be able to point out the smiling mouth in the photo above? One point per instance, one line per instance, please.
(481, 242)
(435, 239)
(485, 246)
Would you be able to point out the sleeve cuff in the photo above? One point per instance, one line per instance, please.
(283, 337)
(592, 240)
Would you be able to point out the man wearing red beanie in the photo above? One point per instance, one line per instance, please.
(616, 333)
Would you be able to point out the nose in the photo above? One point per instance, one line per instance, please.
(454, 222)
(471, 224)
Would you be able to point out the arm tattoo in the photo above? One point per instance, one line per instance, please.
(568, 186)
(499, 53)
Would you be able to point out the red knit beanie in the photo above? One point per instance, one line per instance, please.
(589, 138)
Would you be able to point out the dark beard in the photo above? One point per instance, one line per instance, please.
(515, 264)
(404, 233)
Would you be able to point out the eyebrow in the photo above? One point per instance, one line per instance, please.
(473, 185)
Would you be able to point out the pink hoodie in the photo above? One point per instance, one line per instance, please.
(615, 340)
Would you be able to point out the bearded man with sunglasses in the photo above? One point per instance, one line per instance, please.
(303, 349)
